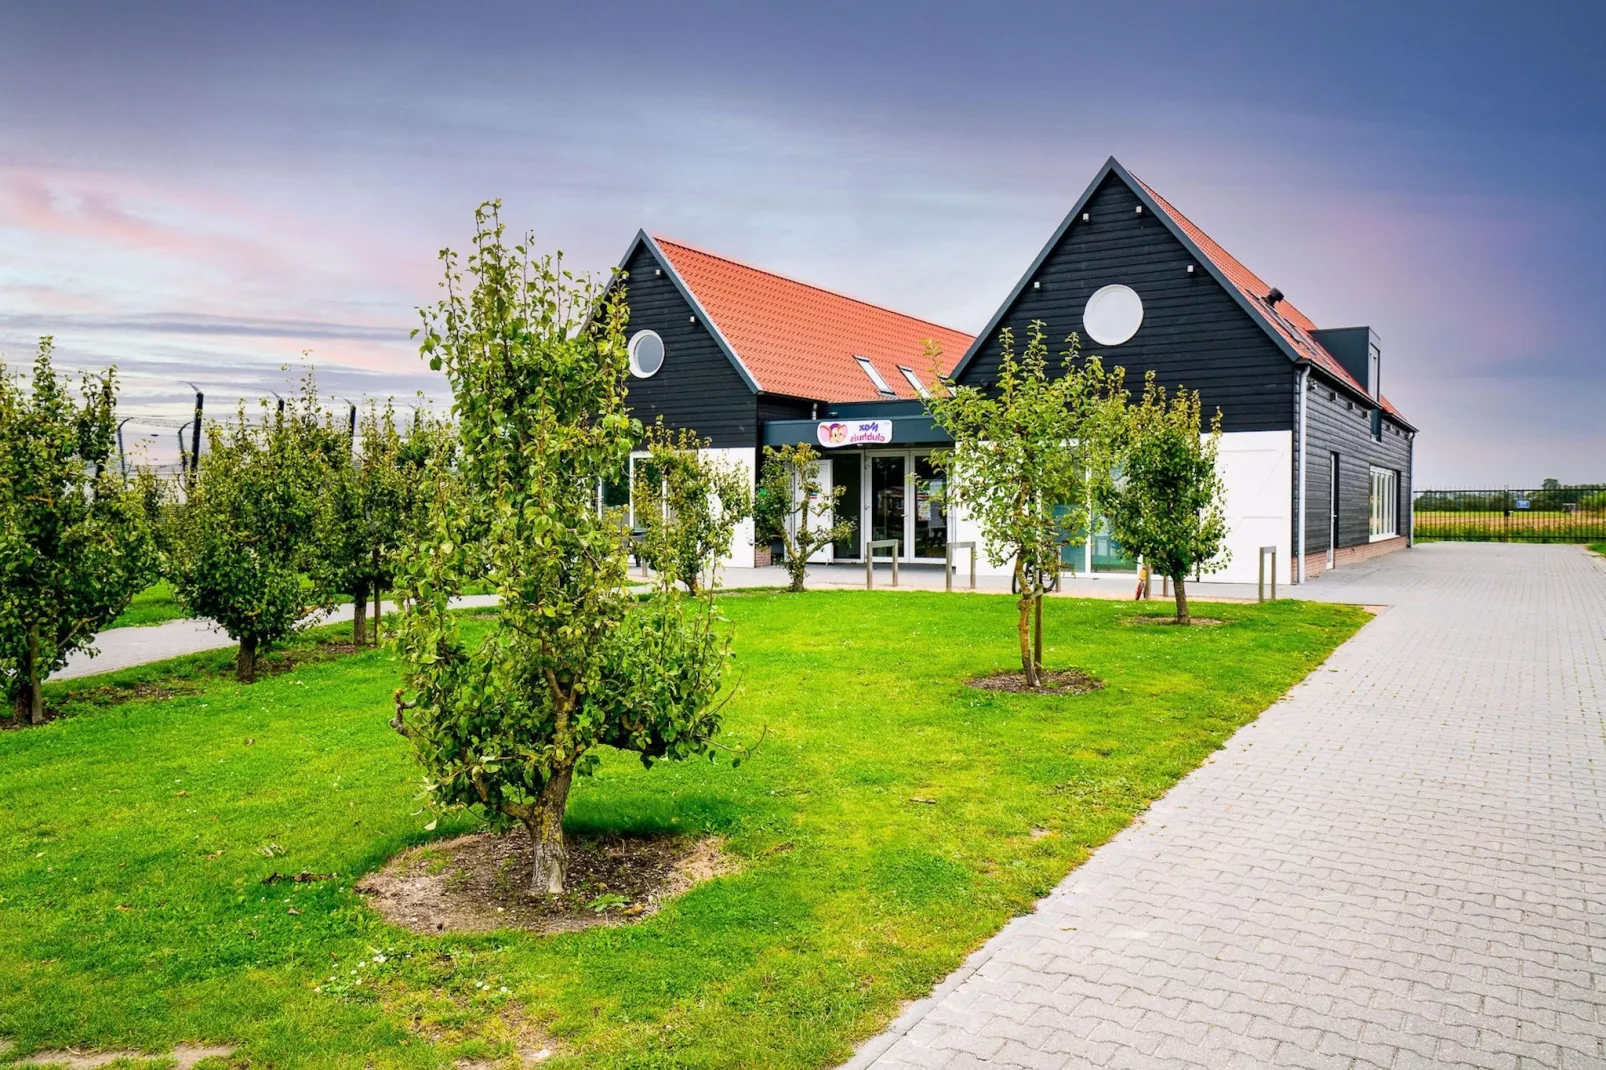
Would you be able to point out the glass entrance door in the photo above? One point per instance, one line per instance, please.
(930, 516)
(887, 501)
(905, 503)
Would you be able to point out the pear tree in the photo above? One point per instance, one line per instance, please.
(366, 508)
(1025, 458)
(792, 505)
(1169, 502)
(503, 716)
(688, 504)
(77, 537)
(243, 537)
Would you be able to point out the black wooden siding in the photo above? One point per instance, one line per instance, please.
(781, 407)
(697, 387)
(1194, 333)
(1333, 427)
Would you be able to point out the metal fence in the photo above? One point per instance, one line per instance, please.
(1549, 514)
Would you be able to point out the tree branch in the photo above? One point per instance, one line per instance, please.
(397, 722)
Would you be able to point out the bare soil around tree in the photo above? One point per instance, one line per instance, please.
(481, 882)
(1171, 619)
(1051, 682)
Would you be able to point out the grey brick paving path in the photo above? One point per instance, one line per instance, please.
(1401, 864)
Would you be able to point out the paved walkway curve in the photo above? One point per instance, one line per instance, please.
(1403, 863)
(121, 648)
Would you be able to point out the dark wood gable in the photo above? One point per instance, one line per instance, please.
(1194, 333)
(698, 386)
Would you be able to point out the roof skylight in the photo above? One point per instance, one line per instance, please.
(875, 376)
(914, 381)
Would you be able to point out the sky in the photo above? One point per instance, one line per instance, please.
(221, 194)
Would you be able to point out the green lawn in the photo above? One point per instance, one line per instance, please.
(1599, 548)
(153, 605)
(136, 837)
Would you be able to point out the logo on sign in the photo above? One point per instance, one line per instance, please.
(835, 433)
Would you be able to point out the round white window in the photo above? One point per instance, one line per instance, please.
(646, 354)
(1113, 315)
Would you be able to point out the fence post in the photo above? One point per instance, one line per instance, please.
(870, 547)
(971, 546)
(1260, 587)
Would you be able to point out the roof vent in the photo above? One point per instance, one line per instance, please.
(1273, 297)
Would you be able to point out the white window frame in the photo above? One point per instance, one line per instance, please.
(881, 384)
(1384, 501)
(634, 344)
(663, 488)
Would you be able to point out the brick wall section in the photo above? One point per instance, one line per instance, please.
(1316, 564)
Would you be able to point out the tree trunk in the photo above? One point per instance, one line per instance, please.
(245, 661)
(1181, 587)
(36, 694)
(551, 857)
(797, 566)
(29, 701)
(1037, 630)
(359, 619)
(1023, 628)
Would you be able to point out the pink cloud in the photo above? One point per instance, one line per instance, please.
(58, 205)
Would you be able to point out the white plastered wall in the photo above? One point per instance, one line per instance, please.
(967, 530)
(743, 458)
(1257, 470)
(821, 514)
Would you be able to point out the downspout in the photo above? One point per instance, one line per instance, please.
(1299, 556)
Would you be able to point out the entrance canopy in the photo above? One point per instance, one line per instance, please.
(868, 425)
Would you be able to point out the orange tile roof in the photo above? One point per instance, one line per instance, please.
(1287, 320)
(799, 340)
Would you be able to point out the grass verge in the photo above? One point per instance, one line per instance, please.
(153, 605)
(893, 820)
